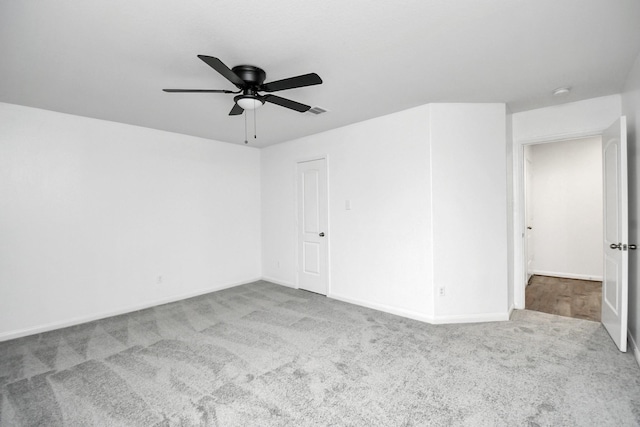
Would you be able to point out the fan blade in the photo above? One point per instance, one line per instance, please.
(226, 72)
(287, 103)
(292, 82)
(236, 110)
(198, 91)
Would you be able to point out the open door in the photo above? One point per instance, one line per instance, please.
(616, 234)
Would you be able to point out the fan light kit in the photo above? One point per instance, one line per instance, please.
(248, 102)
(250, 81)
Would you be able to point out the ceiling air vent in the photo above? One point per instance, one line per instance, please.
(317, 110)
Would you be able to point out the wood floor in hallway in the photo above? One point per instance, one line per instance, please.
(580, 299)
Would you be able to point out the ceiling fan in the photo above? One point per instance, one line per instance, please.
(250, 80)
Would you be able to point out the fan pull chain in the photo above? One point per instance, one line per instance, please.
(254, 124)
(245, 128)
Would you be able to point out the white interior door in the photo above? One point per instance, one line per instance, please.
(312, 226)
(616, 255)
(528, 207)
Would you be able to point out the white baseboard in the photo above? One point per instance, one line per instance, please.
(567, 275)
(473, 318)
(5, 336)
(279, 282)
(634, 347)
(383, 307)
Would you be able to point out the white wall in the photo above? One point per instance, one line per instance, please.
(428, 201)
(631, 109)
(567, 208)
(572, 120)
(380, 250)
(92, 212)
(469, 193)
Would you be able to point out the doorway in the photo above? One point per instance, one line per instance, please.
(564, 222)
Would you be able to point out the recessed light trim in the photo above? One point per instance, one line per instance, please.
(562, 91)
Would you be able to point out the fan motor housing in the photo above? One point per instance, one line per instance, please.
(254, 76)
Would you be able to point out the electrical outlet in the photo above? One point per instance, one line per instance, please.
(441, 291)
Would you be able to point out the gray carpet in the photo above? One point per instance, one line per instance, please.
(265, 355)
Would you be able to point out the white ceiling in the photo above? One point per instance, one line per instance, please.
(109, 59)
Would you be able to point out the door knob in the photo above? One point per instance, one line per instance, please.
(321, 234)
(614, 246)
(529, 228)
(633, 247)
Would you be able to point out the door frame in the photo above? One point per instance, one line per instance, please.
(519, 220)
(527, 211)
(298, 160)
